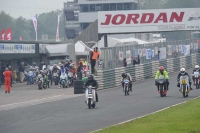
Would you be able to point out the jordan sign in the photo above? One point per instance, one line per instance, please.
(149, 20)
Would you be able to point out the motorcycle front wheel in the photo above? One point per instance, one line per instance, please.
(161, 90)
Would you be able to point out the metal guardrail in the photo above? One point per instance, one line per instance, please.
(112, 57)
(111, 78)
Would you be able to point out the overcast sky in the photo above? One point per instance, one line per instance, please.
(28, 8)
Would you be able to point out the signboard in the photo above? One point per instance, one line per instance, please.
(153, 53)
(163, 53)
(156, 50)
(148, 53)
(121, 55)
(149, 20)
(128, 57)
(143, 52)
(135, 53)
(17, 48)
(140, 52)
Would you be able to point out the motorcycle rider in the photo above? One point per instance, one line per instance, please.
(183, 73)
(163, 72)
(91, 81)
(46, 77)
(126, 76)
(63, 71)
(196, 69)
(54, 70)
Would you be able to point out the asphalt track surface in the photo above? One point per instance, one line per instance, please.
(72, 115)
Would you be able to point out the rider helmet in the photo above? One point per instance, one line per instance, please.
(182, 71)
(197, 67)
(124, 75)
(161, 68)
(90, 77)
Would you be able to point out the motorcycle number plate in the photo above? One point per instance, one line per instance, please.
(183, 81)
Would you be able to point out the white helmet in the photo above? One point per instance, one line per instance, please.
(197, 67)
(182, 71)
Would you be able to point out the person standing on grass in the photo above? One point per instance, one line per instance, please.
(7, 77)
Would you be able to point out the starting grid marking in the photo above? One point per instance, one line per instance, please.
(35, 102)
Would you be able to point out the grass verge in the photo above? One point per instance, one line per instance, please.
(184, 118)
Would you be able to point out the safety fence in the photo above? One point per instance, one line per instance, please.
(111, 78)
(112, 57)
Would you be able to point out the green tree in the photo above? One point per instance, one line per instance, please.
(6, 21)
(47, 24)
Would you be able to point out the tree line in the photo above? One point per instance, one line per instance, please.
(47, 22)
(47, 25)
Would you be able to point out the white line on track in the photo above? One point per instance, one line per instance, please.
(35, 102)
(146, 115)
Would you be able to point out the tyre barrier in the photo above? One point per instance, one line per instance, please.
(79, 87)
(111, 78)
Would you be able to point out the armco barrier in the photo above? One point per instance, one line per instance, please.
(111, 78)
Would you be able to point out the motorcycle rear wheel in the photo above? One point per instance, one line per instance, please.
(89, 103)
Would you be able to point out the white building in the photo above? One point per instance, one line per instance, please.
(80, 14)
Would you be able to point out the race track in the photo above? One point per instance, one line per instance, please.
(72, 115)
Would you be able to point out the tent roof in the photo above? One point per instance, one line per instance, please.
(57, 50)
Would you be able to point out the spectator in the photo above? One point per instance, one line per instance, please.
(10, 69)
(85, 62)
(79, 71)
(67, 63)
(7, 77)
(41, 65)
(135, 61)
(94, 56)
(125, 63)
(21, 72)
(138, 60)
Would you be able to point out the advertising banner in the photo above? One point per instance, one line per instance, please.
(121, 55)
(17, 48)
(156, 20)
(148, 53)
(128, 57)
(57, 31)
(163, 53)
(9, 34)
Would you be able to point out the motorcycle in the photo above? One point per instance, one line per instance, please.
(40, 82)
(55, 78)
(90, 97)
(161, 85)
(71, 79)
(196, 81)
(184, 86)
(126, 87)
(30, 78)
(64, 81)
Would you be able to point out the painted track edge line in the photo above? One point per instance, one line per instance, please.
(145, 115)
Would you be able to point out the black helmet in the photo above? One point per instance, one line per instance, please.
(124, 75)
(90, 77)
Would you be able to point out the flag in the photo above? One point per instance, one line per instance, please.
(20, 38)
(9, 34)
(34, 19)
(57, 32)
(3, 32)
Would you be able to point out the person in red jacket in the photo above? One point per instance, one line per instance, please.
(7, 76)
